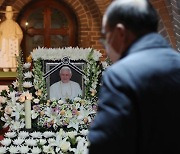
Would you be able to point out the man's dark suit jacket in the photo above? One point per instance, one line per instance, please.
(139, 102)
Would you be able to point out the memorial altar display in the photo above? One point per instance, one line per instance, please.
(37, 124)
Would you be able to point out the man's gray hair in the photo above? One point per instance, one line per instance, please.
(65, 68)
(138, 16)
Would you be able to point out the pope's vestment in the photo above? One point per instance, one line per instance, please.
(60, 90)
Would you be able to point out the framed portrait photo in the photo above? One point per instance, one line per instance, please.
(52, 68)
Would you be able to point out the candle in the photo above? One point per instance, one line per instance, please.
(28, 114)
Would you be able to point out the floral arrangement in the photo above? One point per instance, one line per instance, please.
(93, 70)
(45, 142)
(73, 53)
(63, 119)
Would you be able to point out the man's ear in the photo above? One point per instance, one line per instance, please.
(120, 35)
(121, 30)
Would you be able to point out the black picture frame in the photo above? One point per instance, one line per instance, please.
(54, 75)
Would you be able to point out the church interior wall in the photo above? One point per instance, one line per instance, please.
(89, 14)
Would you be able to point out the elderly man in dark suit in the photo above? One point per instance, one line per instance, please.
(139, 101)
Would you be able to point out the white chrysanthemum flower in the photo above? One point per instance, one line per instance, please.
(42, 141)
(36, 134)
(18, 141)
(48, 134)
(36, 150)
(36, 100)
(28, 75)
(74, 53)
(23, 134)
(76, 99)
(13, 149)
(27, 84)
(31, 142)
(60, 102)
(6, 142)
(10, 134)
(24, 149)
(3, 150)
(27, 65)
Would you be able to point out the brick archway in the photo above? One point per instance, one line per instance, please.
(89, 14)
(89, 18)
(89, 21)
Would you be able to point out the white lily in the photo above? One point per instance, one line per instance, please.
(72, 134)
(15, 84)
(65, 145)
(16, 125)
(34, 114)
(74, 123)
(13, 97)
(18, 111)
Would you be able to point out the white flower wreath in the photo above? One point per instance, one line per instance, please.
(92, 71)
(75, 116)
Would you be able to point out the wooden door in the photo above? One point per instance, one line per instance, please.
(47, 23)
